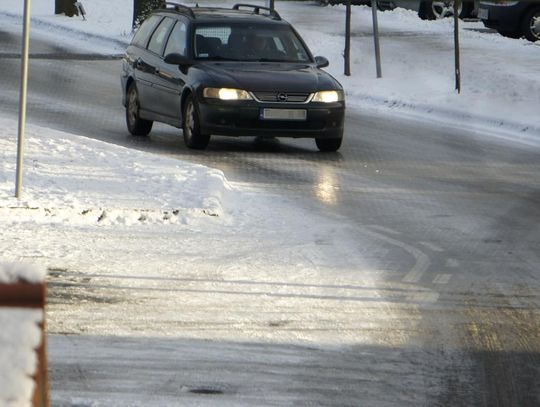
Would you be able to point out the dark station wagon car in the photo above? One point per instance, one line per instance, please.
(236, 72)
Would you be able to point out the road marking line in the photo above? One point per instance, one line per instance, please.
(422, 260)
(452, 263)
(432, 246)
(424, 297)
(442, 279)
(509, 296)
(385, 230)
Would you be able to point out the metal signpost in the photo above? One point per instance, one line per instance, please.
(456, 45)
(347, 70)
(22, 98)
(376, 38)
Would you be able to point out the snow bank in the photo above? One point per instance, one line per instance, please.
(19, 337)
(107, 28)
(71, 179)
(12, 272)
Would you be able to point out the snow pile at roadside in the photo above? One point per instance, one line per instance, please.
(20, 335)
(106, 30)
(72, 179)
(11, 272)
(500, 88)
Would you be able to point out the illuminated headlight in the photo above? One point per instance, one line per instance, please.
(226, 94)
(328, 96)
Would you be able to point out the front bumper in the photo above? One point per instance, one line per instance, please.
(244, 119)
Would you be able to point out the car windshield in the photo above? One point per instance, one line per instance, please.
(267, 43)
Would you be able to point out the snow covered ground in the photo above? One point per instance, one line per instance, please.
(103, 216)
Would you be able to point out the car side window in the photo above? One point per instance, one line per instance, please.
(177, 40)
(157, 42)
(141, 37)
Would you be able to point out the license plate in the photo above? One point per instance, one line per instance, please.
(283, 114)
(483, 14)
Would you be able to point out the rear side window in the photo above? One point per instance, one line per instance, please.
(177, 40)
(157, 42)
(141, 37)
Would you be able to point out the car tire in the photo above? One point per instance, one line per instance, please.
(193, 138)
(328, 144)
(530, 25)
(136, 126)
(509, 34)
(433, 10)
(467, 10)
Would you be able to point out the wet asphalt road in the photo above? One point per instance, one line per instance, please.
(452, 211)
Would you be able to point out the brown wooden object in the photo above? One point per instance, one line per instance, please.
(22, 294)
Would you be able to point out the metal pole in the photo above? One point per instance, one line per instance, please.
(376, 38)
(347, 70)
(456, 45)
(271, 4)
(22, 98)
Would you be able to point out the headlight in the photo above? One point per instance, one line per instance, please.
(328, 96)
(226, 94)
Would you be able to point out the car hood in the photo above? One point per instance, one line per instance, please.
(271, 76)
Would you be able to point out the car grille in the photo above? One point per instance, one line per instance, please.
(282, 97)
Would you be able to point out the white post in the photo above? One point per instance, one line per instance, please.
(22, 97)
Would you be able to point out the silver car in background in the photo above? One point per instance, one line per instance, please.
(432, 9)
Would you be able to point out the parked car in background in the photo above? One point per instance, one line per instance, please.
(353, 2)
(240, 71)
(432, 9)
(512, 19)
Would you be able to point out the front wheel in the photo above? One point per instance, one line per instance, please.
(435, 10)
(193, 138)
(328, 144)
(136, 126)
(531, 25)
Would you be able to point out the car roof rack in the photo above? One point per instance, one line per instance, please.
(181, 8)
(257, 10)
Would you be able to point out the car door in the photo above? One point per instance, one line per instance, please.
(138, 58)
(172, 79)
(155, 64)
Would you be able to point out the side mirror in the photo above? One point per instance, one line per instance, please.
(321, 62)
(177, 59)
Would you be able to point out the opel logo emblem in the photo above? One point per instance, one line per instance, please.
(282, 97)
